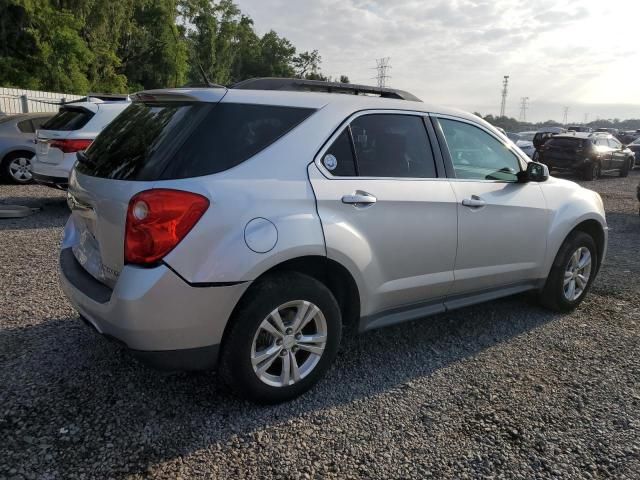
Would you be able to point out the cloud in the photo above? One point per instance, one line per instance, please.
(456, 51)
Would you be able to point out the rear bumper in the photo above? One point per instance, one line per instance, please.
(163, 320)
(564, 164)
(53, 174)
(55, 182)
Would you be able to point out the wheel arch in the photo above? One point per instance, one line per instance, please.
(6, 153)
(332, 274)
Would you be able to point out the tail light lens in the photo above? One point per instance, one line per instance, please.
(70, 146)
(157, 220)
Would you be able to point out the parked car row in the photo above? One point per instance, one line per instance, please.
(17, 148)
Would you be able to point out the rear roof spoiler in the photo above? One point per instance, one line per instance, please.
(302, 85)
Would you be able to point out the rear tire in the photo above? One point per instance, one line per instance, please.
(287, 348)
(557, 294)
(592, 171)
(16, 167)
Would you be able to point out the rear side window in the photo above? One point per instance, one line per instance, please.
(25, 126)
(392, 145)
(67, 119)
(159, 141)
(339, 159)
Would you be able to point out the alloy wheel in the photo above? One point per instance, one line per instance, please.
(20, 169)
(577, 274)
(289, 343)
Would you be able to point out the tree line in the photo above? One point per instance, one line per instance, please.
(80, 46)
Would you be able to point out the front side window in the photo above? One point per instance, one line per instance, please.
(613, 143)
(477, 155)
(392, 145)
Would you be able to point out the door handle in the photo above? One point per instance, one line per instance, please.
(359, 199)
(474, 202)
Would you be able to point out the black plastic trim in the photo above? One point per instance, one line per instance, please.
(81, 279)
(203, 284)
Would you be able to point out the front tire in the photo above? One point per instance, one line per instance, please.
(573, 271)
(592, 171)
(628, 165)
(282, 338)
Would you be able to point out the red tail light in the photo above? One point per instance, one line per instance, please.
(70, 146)
(157, 220)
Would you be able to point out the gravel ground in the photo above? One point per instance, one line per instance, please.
(502, 390)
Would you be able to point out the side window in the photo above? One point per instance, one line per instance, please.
(477, 155)
(25, 126)
(339, 158)
(39, 121)
(613, 143)
(392, 145)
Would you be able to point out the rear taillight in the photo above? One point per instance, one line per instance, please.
(70, 146)
(157, 220)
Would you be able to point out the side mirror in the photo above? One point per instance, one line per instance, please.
(535, 172)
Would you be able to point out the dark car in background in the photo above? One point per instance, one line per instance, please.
(579, 128)
(587, 154)
(635, 148)
(17, 147)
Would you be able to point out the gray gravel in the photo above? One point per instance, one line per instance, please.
(503, 390)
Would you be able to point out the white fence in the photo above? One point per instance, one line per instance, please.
(15, 100)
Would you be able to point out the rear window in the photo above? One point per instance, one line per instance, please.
(160, 141)
(566, 142)
(67, 119)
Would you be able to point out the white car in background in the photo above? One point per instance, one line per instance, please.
(522, 143)
(71, 130)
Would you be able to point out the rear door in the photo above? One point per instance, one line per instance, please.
(502, 224)
(387, 209)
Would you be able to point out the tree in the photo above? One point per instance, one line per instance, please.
(344, 79)
(307, 64)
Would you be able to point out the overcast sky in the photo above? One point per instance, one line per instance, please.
(583, 54)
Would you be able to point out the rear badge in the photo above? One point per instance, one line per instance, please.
(330, 162)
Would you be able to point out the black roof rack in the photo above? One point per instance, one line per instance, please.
(301, 85)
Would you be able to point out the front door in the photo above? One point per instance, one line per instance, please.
(385, 213)
(502, 224)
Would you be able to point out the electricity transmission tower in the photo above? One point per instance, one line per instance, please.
(565, 116)
(523, 108)
(382, 66)
(505, 87)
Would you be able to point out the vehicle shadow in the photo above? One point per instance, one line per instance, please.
(51, 212)
(105, 408)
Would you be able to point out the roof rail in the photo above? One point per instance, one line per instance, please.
(109, 96)
(302, 85)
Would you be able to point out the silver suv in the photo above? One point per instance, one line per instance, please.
(245, 227)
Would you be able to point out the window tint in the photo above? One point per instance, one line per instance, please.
(25, 126)
(339, 158)
(39, 121)
(565, 143)
(159, 141)
(477, 155)
(68, 118)
(613, 143)
(390, 145)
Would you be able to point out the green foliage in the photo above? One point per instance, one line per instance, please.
(77, 46)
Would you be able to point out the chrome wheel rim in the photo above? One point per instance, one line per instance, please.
(289, 343)
(20, 169)
(577, 274)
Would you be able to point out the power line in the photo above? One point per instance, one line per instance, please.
(505, 88)
(523, 108)
(382, 66)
